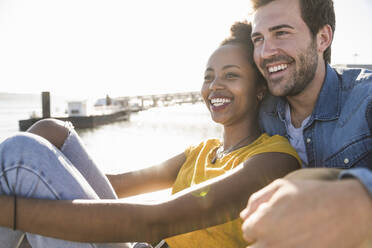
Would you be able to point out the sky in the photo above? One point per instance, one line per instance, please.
(90, 48)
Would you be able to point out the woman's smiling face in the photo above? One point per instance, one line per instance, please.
(230, 85)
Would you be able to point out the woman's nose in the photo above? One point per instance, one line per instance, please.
(216, 84)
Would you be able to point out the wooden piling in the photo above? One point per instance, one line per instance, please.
(45, 99)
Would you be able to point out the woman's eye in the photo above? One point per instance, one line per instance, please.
(231, 75)
(256, 40)
(208, 78)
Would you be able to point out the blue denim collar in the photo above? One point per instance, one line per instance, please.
(328, 104)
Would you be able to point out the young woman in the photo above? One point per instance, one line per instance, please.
(210, 181)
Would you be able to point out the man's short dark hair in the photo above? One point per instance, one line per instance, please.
(315, 13)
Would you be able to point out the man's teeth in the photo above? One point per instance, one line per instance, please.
(219, 101)
(277, 68)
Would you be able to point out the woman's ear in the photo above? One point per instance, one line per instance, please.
(261, 93)
(260, 97)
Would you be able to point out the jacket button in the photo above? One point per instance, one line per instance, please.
(308, 140)
(346, 161)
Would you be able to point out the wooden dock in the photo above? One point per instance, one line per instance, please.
(128, 105)
(81, 122)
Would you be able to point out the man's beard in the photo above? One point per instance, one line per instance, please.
(307, 64)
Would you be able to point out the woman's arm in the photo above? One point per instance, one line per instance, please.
(149, 179)
(213, 202)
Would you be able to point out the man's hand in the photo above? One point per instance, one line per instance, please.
(308, 213)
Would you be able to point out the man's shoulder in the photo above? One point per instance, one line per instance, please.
(269, 104)
(269, 115)
(356, 93)
(355, 80)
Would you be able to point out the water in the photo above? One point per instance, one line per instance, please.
(15, 107)
(149, 138)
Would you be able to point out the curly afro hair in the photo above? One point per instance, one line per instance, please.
(240, 34)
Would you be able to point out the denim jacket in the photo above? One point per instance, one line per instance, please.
(338, 133)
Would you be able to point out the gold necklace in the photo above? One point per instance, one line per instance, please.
(220, 153)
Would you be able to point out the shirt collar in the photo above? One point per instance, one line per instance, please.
(327, 106)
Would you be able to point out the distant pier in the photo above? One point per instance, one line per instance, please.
(138, 103)
(125, 106)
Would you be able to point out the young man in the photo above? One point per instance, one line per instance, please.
(327, 116)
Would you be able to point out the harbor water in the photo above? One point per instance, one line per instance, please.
(148, 138)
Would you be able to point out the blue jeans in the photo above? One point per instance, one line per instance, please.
(30, 166)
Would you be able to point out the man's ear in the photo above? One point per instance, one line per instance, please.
(324, 38)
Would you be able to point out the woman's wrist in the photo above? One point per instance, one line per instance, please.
(7, 208)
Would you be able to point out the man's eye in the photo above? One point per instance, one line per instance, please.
(281, 33)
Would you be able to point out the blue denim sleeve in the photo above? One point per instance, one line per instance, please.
(364, 175)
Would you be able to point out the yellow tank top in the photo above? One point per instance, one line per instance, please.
(198, 168)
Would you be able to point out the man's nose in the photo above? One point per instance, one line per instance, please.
(268, 49)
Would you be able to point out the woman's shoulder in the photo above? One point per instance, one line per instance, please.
(211, 141)
(266, 138)
(205, 144)
(275, 143)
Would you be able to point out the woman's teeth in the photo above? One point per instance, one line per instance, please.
(216, 102)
